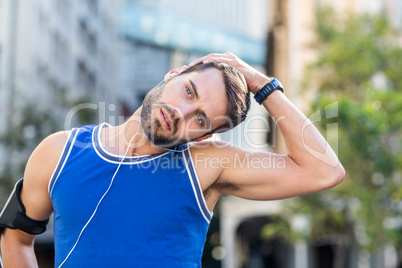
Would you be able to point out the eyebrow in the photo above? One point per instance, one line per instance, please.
(194, 88)
(196, 95)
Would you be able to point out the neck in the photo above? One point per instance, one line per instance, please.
(117, 139)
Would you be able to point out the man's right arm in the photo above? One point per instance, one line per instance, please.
(309, 166)
(16, 245)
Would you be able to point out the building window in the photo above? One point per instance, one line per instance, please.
(87, 37)
(60, 51)
(42, 19)
(85, 78)
(92, 6)
(63, 10)
(92, 43)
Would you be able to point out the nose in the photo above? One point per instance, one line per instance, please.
(185, 111)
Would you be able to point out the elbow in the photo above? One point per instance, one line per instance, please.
(340, 174)
(334, 176)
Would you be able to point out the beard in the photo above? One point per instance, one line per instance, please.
(151, 124)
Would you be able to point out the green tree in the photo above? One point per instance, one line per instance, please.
(358, 73)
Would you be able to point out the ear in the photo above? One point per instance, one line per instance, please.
(203, 137)
(174, 72)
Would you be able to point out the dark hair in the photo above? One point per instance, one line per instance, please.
(237, 93)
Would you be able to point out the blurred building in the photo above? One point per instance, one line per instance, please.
(47, 45)
(161, 34)
(52, 49)
(114, 52)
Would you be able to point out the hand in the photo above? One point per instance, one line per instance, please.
(255, 79)
(174, 72)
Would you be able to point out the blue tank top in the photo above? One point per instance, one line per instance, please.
(154, 214)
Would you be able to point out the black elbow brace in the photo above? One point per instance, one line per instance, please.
(13, 215)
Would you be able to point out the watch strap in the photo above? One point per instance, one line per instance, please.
(267, 90)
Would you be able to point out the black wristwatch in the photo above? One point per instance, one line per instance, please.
(270, 87)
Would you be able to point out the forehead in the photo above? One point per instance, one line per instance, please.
(212, 97)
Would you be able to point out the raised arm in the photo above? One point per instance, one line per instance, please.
(310, 165)
(16, 245)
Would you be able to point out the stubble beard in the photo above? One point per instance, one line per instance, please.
(151, 124)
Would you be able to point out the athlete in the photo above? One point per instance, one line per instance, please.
(141, 194)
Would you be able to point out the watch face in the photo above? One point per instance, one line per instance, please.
(277, 83)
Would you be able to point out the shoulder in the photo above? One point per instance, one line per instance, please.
(44, 158)
(52, 146)
(218, 149)
(38, 171)
(212, 157)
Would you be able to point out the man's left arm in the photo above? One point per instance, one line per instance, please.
(310, 165)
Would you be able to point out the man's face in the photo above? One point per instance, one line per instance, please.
(185, 108)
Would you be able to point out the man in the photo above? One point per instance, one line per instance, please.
(121, 200)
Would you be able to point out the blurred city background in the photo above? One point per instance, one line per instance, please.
(65, 63)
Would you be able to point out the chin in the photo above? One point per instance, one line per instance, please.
(165, 142)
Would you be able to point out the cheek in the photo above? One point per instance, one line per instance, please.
(170, 95)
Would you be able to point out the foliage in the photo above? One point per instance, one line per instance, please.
(280, 229)
(358, 67)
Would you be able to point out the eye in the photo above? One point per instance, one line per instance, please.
(188, 91)
(200, 119)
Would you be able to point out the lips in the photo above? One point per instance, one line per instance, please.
(164, 117)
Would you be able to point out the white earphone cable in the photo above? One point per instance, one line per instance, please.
(101, 199)
(111, 182)
(107, 190)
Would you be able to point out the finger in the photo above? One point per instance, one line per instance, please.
(166, 78)
(231, 62)
(170, 74)
(202, 59)
(182, 68)
(219, 59)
